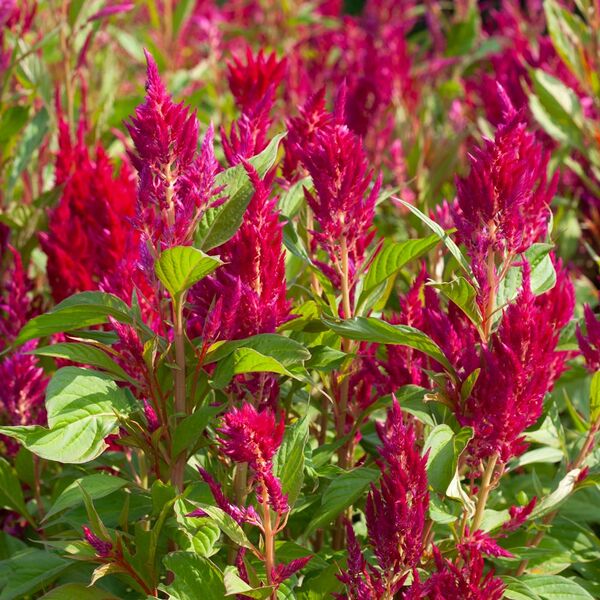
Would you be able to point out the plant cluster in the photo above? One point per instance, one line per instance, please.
(310, 315)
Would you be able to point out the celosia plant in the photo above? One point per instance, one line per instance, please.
(299, 300)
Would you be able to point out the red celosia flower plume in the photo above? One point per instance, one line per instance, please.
(517, 370)
(343, 205)
(395, 512)
(463, 578)
(249, 436)
(589, 343)
(503, 204)
(24, 382)
(176, 183)
(89, 231)
(249, 291)
(257, 78)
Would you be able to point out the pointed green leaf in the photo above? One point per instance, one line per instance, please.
(370, 329)
(179, 268)
(82, 407)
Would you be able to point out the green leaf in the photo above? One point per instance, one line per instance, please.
(555, 587)
(195, 577)
(191, 427)
(553, 500)
(97, 486)
(343, 491)
(83, 408)
(288, 463)
(570, 36)
(370, 329)
(595, 398)
(11, 493)
(28, 571)
(444, 237)
(463, 294)
(445, 448)
(226, 524)
(390, 260)
(179, 268)
(518, 590)
(542, 274)
(287, 351)
(32, 138)
(246, 360)
(291, 200)
(557, 109)
(234, 585)
(76, 312)
(220, 223)
(83, 354)
(462, 35)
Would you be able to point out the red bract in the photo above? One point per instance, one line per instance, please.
(24, 382)
(247, 435)
(342, 203)
(517, 370)
(395, 512)
(103, 548)
(89, 231)
(518, 515)
(176, 183)
(462, 579)
(589, 343)
(257, 78)
(249, 291)
(503, 204)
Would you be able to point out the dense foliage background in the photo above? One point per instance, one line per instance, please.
(311, 314)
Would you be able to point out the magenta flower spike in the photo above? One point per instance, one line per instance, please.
(103, 548)
(464, 579)
(256, 79)
(176, 183)
(249, 436)
(589, 343)
(517, 370)
(344, 199)
(503, 204)
(395, 512)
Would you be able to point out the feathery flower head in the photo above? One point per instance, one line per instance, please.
(518, 515)
(89, 230)
(589, 343)
(480, 541)
(503, 204)
(302, 129)
(282, 571)
(175, 183)
(249, 290)
(257, 78)
(396, 510)
(464, 579)
(517, 370)
(247, 435)
(102, 547)
(342, 204)
(238, 513)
